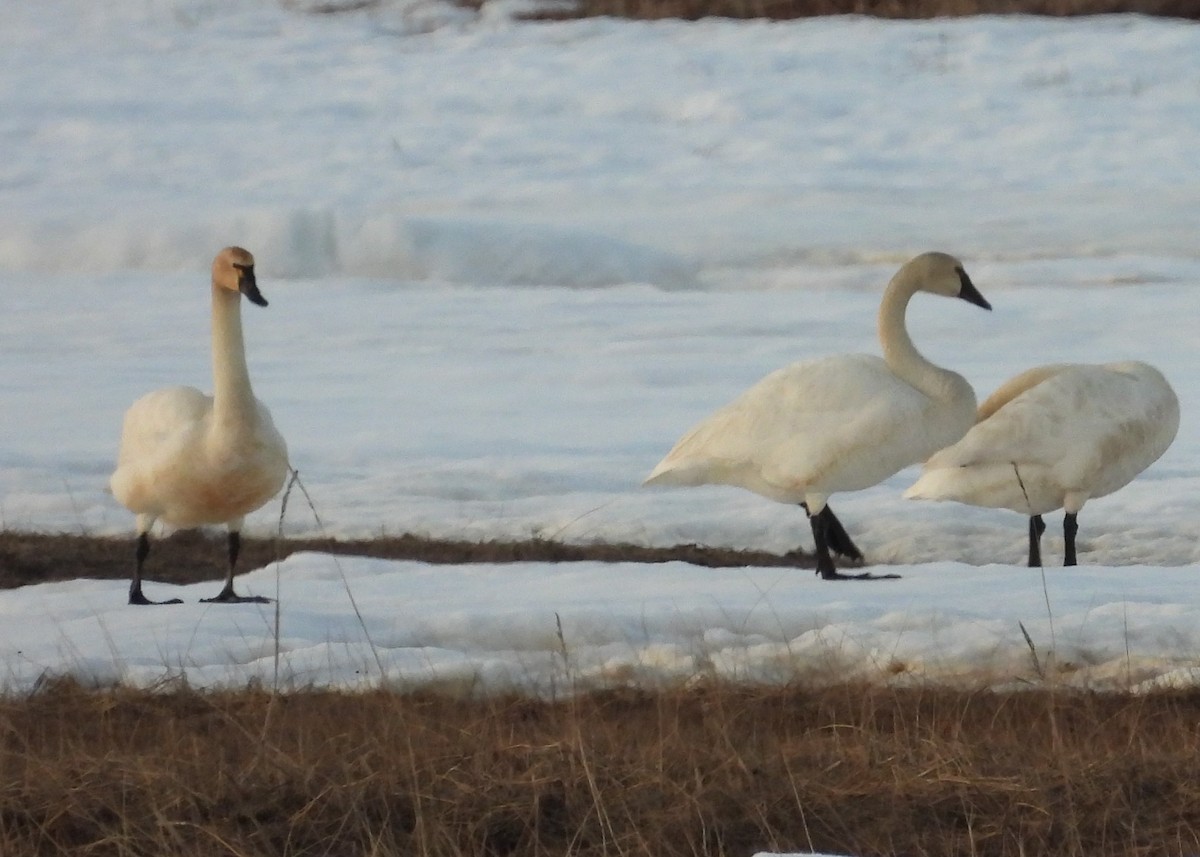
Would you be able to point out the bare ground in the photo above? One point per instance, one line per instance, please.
(195, 556)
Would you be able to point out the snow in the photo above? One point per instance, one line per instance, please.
(509, 264)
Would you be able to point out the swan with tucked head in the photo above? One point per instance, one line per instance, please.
(1054, 437)
(190, 459)
(839, 423)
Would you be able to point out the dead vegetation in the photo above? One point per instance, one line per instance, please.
(710, 770)
(701, 769)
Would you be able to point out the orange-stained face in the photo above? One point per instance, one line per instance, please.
(229, 265)
(233, 269)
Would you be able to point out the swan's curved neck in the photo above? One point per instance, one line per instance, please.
(898, 350)
(233, 399)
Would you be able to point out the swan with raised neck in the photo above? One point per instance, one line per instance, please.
(840, 423)
(937, 273)
(190, 459)
(233, 398)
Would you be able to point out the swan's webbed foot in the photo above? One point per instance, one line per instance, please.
(828, 533)
(228, 596)
(827, 571)
(866, 575)
(135, 585)
(136, 597)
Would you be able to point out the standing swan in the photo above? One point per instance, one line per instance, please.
(193, 459)
(1053, 438)
(840, 423)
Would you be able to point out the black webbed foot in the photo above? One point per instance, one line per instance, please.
(866, 575)
(233, 598)
(136, 597)
(828, 533)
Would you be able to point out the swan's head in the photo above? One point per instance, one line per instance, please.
(942, 274)
(233, 269)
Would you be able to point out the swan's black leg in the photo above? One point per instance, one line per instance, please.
(1070, 528)
(227, 595)
(1036, 527)
(836, 537)
(821, 540)
(821, 527)
(135, 586)
(839, 540)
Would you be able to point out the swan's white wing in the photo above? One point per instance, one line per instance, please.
(157, 420)
(1086, 415)
(1017, 385)
(838, 423)
(1134, 418)
(1084, 430)
(156, 427)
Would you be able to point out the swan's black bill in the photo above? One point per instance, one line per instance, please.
(248, 286)
(969, 293)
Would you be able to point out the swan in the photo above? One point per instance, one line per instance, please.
(840, 423)
(1054, 437)
(191, 459)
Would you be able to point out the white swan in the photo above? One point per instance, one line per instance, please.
(839, 423)
(192, 459)
(1053, 438)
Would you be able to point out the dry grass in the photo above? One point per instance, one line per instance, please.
(714, 769)
(703, 771)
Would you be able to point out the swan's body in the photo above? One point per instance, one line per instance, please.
(190, 459)
(1054, 437)
(840, 423)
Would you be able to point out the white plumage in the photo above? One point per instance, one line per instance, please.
(840, 423)
(1055, 437)
(190, 459)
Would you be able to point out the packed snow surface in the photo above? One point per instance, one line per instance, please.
(509, 264)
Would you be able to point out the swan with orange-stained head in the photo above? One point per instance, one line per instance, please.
(1055, 437)
(190, 459)
(839, 423)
